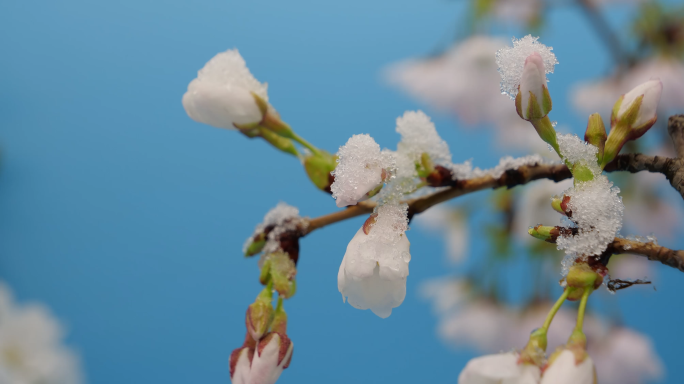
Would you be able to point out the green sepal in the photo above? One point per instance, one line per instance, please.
(318, 167)
(547, 103)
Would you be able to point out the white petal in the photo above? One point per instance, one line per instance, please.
(242, 368)
(219, 106)
(564, 370)
(501, 368)
(533, 78)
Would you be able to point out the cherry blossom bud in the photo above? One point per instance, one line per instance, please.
(240, 365)
(633, 114)
(596, 133)
(375, 266)
(272, 355)
(260, 313)
(581, 275)
(533, 100)
(282, 272)
(318, 167)
(225, 93)
(499, 368)
(566, 368)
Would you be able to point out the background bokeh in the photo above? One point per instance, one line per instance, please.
(127, 218)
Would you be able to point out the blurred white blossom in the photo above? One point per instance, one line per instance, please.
(450, 223)
(462, 80)
(31, 349)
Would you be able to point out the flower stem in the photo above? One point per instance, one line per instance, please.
(555, 308)
(582, 308)
(305, 143)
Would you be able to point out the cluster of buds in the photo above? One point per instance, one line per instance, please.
(267, 349)
(569, 364)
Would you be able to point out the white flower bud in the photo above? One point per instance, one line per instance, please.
(224, 93)
(502, 368)
(240, 365)
(375, 267)
(646, 114)
(534, 101)
(566, 369)
(633, 115)
(272, 355)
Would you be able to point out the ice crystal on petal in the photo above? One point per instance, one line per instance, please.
(360, 165)
(597, 210)
(511, 61)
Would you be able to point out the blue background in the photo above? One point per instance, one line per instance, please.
(127, 218)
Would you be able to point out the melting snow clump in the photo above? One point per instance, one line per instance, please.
(597, 212)
(576, 150)
(511, 61)
(418, 136)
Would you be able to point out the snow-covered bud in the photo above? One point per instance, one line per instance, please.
(225, 93)
(560, 205)
(375, 266)
(272, 355)
(260, 313)
(596, 133)
(361, 168)
(633, 114)
(566, 368)
(318, 167)
(240, 365)
(533, 100)
(499, 368)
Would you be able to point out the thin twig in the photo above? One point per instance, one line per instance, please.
(652, 251)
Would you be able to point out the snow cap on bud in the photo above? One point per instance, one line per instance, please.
(565, 368)
(375, 266)
(240, 365)
(533, 100)
(260, 313)
(633, 114)
(273, 354)
(361, 168)
(499, 368)
(225, 93)
(596, 133)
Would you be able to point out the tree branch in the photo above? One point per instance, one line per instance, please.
(669, 257)
(511, 178)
